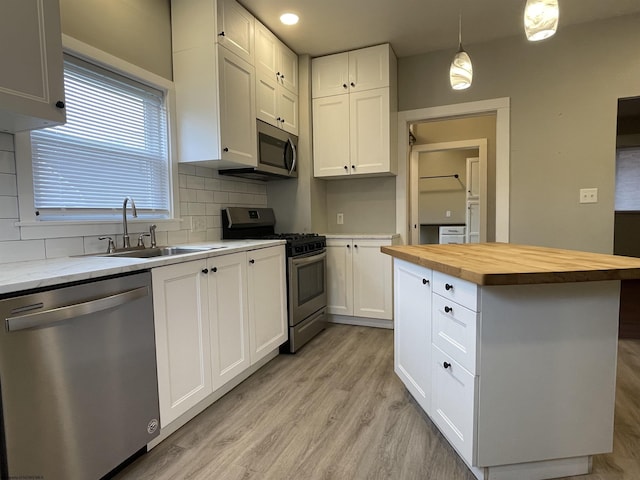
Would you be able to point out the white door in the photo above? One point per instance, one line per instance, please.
(237, 109)
(473, 221)
(229, 316)
(369, 68)
(236, 29)
(331, 136)
(266, 57)
(288, 111)
(183, 352)
(473, 178)
(267, 98)
(330, 75)
(372, 280)
(339, 277)
(412, 330)
(370, 131)
(266, 273)
(288, 69)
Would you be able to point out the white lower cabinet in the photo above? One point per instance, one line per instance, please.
(266, 274)
(360, 277)
(412, 293)
(183, 348)
(453, 391)
(228, 315)
(214, 319)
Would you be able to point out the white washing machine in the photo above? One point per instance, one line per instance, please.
(452, 234)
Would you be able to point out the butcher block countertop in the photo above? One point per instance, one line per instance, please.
(511, 264)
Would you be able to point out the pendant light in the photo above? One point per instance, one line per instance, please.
(540, 19)
(461, 70)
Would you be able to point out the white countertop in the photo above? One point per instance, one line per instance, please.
(18, 276)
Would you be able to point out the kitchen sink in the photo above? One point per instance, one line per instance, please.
(157, 252)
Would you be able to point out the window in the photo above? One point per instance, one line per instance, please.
(627, 179)
(113, 145)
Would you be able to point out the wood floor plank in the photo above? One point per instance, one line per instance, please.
(336, 411)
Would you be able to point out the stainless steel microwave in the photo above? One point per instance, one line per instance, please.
(277, 155)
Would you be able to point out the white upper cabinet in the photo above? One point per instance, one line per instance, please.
(214, 84)
(276, 81)
(236, 29)
(355, 113)
(31, 84)
(330, 75)
(363, 69)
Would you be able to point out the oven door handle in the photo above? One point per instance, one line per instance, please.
(305, 260)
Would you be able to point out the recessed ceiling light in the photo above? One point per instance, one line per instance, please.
(289, 18)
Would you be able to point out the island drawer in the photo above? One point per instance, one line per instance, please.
(453, 288)
(453, 400)
(454, 331)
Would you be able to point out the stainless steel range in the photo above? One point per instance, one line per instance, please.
(306, 269)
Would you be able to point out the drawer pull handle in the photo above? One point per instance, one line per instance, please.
(446, 364)
(425, 281)
(205, 270)
(448, 309)
(448, 286)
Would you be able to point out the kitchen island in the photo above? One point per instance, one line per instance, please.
(511, 351)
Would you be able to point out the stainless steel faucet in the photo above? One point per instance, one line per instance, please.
(126, 243)
(152, 233)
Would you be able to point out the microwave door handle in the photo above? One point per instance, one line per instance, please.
(295, 156)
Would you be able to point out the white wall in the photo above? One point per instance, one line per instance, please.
(564, 94)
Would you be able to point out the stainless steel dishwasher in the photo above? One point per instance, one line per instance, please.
(78, 378)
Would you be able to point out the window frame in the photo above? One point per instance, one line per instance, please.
(31, 226)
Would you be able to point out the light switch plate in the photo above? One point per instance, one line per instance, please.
(588, 195)
(340, 219)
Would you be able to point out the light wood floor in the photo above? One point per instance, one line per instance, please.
(336, 410)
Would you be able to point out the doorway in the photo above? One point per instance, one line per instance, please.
(441, 187)
(499, 107)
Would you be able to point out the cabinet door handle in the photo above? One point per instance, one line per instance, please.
(446, 364)
(214, 269)
(282, 76)
(205, 270)
(353, 166)
(448, 309)
(425, 281)
(277, 74)
(60, 104)
(353, 84)
(344, 85)
(346, 168)
(355, 246)
(448, 286)
(252, 261)
(221, 34)
(348, 246)
(225, 149)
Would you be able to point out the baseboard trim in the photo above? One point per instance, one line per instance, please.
(360, 321)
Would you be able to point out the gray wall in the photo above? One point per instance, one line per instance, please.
(368, 205)
(439, 195)
(564, 94)
(138, 31)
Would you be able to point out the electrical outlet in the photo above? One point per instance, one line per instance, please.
(340, 219)
(447, 213)
(588, 195)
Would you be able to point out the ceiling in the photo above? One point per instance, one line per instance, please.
(412, 26)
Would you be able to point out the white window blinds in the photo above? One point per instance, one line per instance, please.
(628, 179)
(113, 145)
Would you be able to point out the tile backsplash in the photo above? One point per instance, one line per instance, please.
(202, 192)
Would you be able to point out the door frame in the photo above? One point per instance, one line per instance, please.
(498, 106)
(479, 144)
